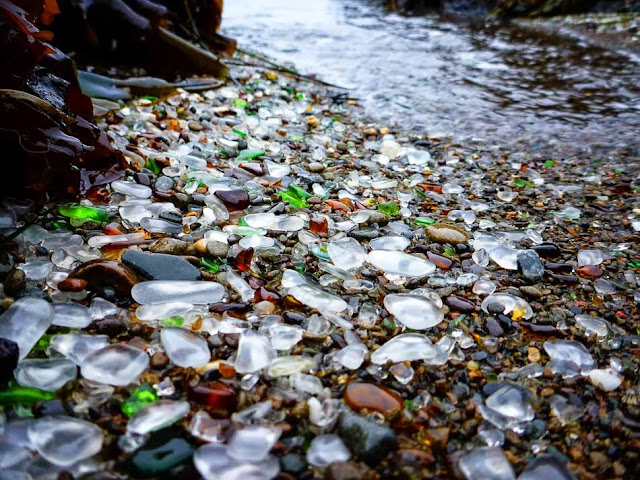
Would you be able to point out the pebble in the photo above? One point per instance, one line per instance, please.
(369, 441)
(9, 355)
(158, 266)
(372, 397)
(441, 233)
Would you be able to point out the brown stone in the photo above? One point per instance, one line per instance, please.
(589, 271)
(373, 398)
(233, 199)
(345, 471)
(15, 282)
(102, 274)
(439, 261)
(159, 360)
(460, 304)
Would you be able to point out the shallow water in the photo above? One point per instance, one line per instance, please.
(503, 85)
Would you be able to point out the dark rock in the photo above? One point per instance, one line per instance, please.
(546, 250)
(172, 216)
(530, 266)
(366, 439)
(293, 463)
(494, 327)
(9, 354)
(460, 304)
(159, 266)
(365, 234)
(345, 471)
(15, 282)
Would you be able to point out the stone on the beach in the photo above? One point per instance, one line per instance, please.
(317, 298)
(213, 462)
(590, 257)
(156, 416)
(547, 467)
(361, 395)
(441, 233)
(530, 266)
(568, 358)
(72, 315)
(346, 253)
(252, 443)
(184, 347)
(326, 449)
(116, 364)
(9, 355)
(369, 441)
(25, 321)
(46, 374)
(255, 352)
(405, 347)
(400, 263)
(76, 346)
(159, 266)
(164, 291)
(64, 441)
(605, 378)
(161, 453)
(507, 408)
(415, 312)
(488, 463)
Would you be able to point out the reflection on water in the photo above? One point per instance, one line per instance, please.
(498, 84)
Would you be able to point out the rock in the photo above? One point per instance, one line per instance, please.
(159, 361)
(530, 266)
(159, 266)
(345, 471)
(441, 233)
(372, 397)
(172, 246)
(547, 250)
(9, 354)
(460, 304)
(106, 274)
(217, 249)
(15, 282)
(532, 292)
(315, 167)
(367, 440)
(294, 463)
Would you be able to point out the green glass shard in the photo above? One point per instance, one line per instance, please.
(209, 265)
(250, 154)
(549, 163)
(239, 132)
(238, 102)
(299, 192)
(175, 321)
(83, 213)
(390, 208)
(24, 396)
(519, 182)
(293, 200)
(141, 396)
(424, 221)
(242, 222)
(152, 165)
(449, 250)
